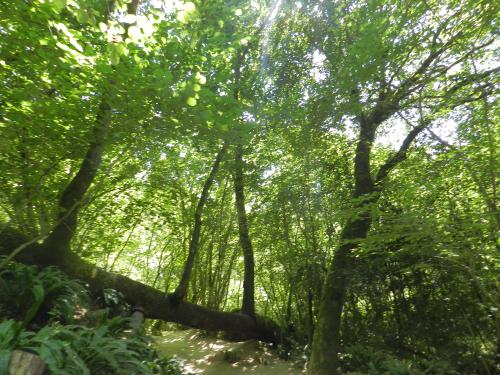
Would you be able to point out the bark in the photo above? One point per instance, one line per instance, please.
(181, 290)
(310, 317)
(248, 305)
(58, 241)
(133, 6)
(156, 304)
(326, 342)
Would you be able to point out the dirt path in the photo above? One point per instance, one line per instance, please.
(211, 356)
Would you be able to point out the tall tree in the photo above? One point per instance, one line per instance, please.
(378, 91)
(181, 289)
(248, 306)
(56, 248)
(58, 241)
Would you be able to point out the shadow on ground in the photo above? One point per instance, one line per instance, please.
(211, 356)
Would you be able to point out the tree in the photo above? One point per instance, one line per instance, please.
(56, 247)
(181, 289)
(358, 204)
(378, 91)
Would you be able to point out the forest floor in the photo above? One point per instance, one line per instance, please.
(212, 356)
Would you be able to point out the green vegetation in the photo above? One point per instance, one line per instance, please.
(321, 175)
(65, 333)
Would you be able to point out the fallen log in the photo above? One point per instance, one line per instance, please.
(156, 304)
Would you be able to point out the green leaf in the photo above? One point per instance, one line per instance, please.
(82, 16)
(39, 296)
(59, 5)
(122, 49)
(200, 78)
(114, 55)
(9, 331)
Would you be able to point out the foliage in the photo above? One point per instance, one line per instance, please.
(109, 347)
(424, 285)
(368, 360)
(83, 350)
(30, 295)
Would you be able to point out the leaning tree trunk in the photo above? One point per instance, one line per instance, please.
(58, 241)
(181, 290)
(248, 305)
(156, 304)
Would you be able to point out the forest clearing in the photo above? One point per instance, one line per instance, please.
(249, 186)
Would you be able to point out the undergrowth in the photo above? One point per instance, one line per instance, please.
(46, 313)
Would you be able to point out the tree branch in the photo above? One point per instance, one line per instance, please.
(401, 154)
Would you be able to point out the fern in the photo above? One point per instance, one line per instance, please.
(49, 297)
(26, 293)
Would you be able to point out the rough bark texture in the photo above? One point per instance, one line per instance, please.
(326, 343)
(156, 304)
(248, 306)
(182, 288)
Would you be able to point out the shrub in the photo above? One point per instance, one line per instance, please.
(371, 361)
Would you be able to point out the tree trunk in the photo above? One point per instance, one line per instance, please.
(326, 342)
(248, 305)
(181, 290)
(156, 304)
(58, 241)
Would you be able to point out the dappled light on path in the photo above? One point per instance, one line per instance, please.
(212, 356)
